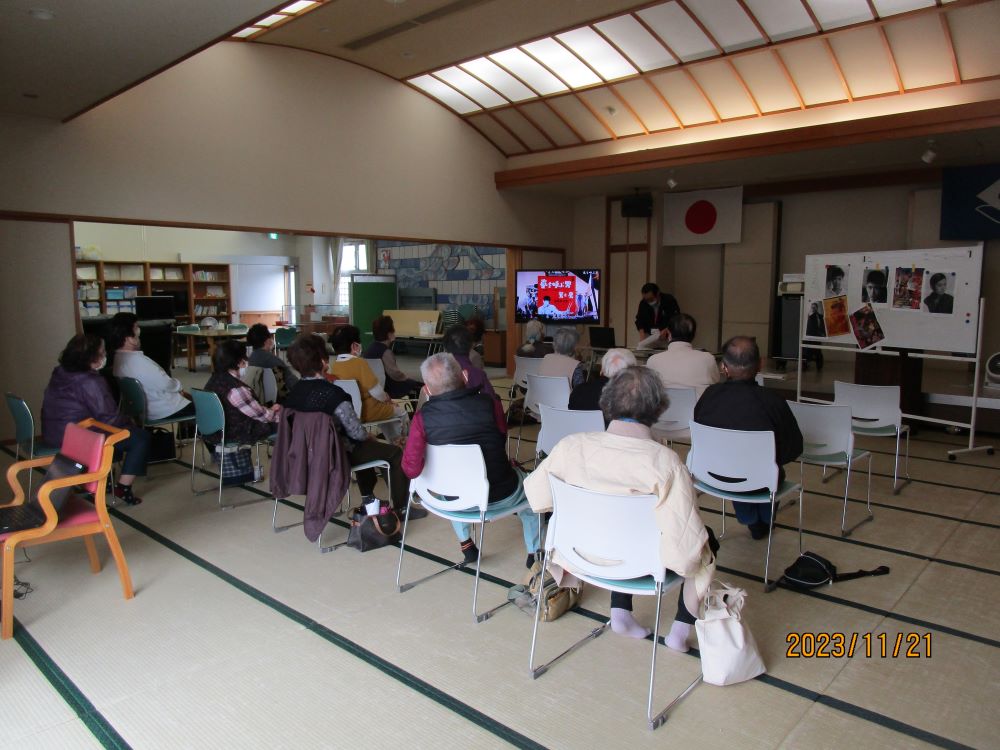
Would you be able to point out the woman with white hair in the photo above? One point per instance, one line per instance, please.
(534, 345)
(561, 363)
(587, 395)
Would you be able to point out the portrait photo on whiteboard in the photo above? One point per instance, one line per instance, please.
(875, 286)
(815, 323)
(939, 292)
(835, 313)
(866, 327)
(836, 280)
(906, 288)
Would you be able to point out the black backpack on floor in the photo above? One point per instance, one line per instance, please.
(811, 570)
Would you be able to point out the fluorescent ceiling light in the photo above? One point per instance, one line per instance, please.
(242, 34)
(299, 6)
(271, 20)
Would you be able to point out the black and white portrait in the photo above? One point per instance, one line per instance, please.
(939, 292)
(875, 286)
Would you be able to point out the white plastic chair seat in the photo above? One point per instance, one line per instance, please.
(889, 431)
(642, 585)
(830, 459)
(473, 516)
(763, 496)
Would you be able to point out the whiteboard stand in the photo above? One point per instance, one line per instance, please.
(973, 448)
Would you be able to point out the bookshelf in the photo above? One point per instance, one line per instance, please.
(106, 287)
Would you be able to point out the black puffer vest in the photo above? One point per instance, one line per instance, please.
(466, 417)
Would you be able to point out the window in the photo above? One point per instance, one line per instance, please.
(353, 257)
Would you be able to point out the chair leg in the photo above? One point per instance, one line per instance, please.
(95, 561)
(274, 520)
(475, 591)
(768, 584)
(801, 498)
(844, 531)
(723, 534)
(520, 429)
(119, 557)
(7, 592)
(402, 546)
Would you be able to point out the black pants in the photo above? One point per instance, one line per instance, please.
(374, 450)
(624, 601)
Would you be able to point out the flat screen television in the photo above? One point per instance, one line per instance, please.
(154, 308)
(559, 296)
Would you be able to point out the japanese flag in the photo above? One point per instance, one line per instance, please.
(703, 217)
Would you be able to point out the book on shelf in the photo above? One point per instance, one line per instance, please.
(173, 274)
(215, 291)
(132, 272)
(86, 273)
(112, 273)
(155, 274)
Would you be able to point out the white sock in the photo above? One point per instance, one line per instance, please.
(623, 623)
(678, 636)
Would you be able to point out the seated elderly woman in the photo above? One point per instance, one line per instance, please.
(586, 396)
(562, 363)
(458, 343)
(314, 393)
(633, 463)
(376, 404)
(397, 383)
(261, 341)
(534, 344)
(247, 420)
(77, 391)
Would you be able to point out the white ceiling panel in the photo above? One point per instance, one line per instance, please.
(471, 87)
(921, 51)
(499, 79)
(648, 105)
(445, 94)
(547, 120)
(894, 7)
(767, 81)
(833, 14)
(727, 22)
(814, 72)
(723, 87)
(524, 130)
(600, 55)
(974, 34)
(642, 48)
(679, 31)
(684, 97)
(562, 62)
(529, 71)
(580, 118)
(864, 62)
(613, 112)
(782, 19)
(496, 133)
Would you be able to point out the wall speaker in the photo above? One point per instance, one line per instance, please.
(638, 206)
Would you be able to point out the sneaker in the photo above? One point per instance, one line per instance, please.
(125, 494)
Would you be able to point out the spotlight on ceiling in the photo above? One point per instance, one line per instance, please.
(929, 154)
(671, 183)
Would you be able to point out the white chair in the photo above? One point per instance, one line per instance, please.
(828, 441)
(352, 389)
(378, 367)
(738, 465)
(524, 366)
(270, 384)
(558, 423)
(623, 556)
(875, 412)
(673, 423)
(542, 389)
(453, 485)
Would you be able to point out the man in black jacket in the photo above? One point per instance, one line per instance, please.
(655, 310)
(457, 415)
(739, 403)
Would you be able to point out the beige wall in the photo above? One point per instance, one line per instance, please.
(749, 290)
(130, 241)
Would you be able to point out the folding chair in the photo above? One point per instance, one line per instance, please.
(828, 441)
(76, 518)
(352, 389)
(24, 433)
(133, 404)
(673, 423)
(209, 419)
(542, 389)
(378, 367)
(558, 423)
(875, 412)
(623, 556)
(738, 465)
(283, 338)
(453, 485)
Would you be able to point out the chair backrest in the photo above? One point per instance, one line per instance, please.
(24, 424)
(826, 430)
(872, 406)
(579, 530)
(188, 329)
(253, 376)
(86, 447)
(238, 327)
(352, 389)
(133, 399)
(558, 423)
(732, 460)
(680, 412)
(283, 337)
(548, 390)
(454, 478)
(378, 367)
(524, 366)
(270, 385)
(209, 417)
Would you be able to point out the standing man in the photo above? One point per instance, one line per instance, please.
(655, 309)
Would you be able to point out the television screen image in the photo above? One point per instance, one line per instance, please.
(558, 296)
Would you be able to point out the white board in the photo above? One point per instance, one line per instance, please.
(888, 298)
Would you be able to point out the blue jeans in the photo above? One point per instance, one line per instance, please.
(529, 519)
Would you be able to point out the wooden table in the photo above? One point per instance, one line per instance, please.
(211, 335)
(433, 343)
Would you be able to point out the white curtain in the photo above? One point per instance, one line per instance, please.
(336, 253)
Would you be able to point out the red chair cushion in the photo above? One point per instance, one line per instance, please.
(84, 446)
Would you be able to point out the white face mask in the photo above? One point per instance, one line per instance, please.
(101, 363)
(243, 372)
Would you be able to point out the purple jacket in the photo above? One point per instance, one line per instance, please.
(477, 377)
(74, 396)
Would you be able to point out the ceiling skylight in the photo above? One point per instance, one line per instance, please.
(277, 19)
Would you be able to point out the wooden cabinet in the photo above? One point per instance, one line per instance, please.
(495, 348)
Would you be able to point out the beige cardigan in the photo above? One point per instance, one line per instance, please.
(626, 460)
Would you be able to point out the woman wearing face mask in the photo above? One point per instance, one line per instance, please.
(397, 383)
(247, 421)
(77, 391)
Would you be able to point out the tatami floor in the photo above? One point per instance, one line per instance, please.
(239, 637)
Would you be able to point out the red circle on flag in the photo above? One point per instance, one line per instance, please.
(700, 217)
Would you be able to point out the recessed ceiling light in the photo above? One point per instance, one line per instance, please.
(407, 55)
(41, 14)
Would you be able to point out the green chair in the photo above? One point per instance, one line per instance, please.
(24, 434)
(133, 404)
(210, 419)
(283, 338)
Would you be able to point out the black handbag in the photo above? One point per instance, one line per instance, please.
(371, 532)
(811, 570)
(162, 446)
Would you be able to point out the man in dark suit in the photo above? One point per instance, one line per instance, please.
(655, 310)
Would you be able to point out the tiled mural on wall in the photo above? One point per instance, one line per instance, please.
(462, 274)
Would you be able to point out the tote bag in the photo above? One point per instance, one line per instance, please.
(728, 651)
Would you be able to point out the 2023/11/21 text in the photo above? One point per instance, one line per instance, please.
(870, 645)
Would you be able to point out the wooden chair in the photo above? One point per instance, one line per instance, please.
(77, 517)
